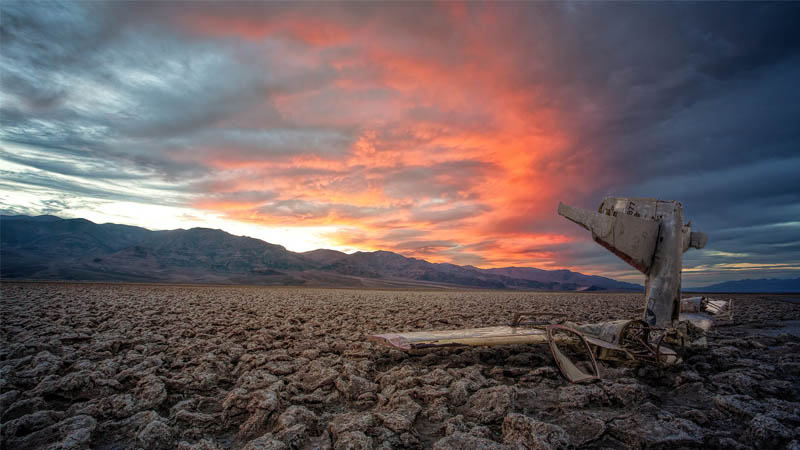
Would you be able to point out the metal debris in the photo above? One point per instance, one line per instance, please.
(648, 234)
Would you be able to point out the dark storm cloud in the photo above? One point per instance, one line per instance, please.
(84, 75)
(698, 103)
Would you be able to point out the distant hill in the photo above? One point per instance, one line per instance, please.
(765, 285)
(324, 256)
(566, 277)
(51, 248)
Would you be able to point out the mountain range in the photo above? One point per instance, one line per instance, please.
(52, 248)
(765, 285)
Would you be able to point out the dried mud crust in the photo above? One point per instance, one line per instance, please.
(143, 366)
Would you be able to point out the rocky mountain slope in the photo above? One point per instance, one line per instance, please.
(48, 247)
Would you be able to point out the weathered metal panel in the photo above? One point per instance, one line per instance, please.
(473, 337)
(663, 283)
(631, 238)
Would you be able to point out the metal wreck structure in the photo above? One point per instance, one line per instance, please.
(648, 234)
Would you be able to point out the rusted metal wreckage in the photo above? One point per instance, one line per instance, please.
(648, 234)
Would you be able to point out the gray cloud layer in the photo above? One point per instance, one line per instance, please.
(690, 101)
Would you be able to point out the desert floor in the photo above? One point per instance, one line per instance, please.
(148, 366)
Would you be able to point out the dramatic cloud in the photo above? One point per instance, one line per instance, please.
(445, 131)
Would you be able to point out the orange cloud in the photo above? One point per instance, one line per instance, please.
(446, 139)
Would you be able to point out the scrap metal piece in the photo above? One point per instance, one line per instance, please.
(631, 238)
(635, 338)
(609, 331)
(693, 304)
(649, 234)
(717, 308)
(503, 335)
(628, 341)
(472, 337)
(682, 336)
(567, 367)
(518, 316)
(702, 312)
(697, 240)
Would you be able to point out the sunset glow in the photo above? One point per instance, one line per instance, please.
(442, 155)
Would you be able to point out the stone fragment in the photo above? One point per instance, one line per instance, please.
(490, 404)
(533, 434)
(235, 403)
(581, 396)
(255, 424)
(355, 421)
(294, 426)
(437, 411)
(459, 392)
(44, 363)
(297, 415)
(777, 389)
(203, 444)
(400, 413)
(76, 432)
(194, 418)
(155, 435)
(582, 427)
(735, 381)
(72, 433)
(457, 424)
(626, 392)
(352, 386)
(651, 427)
(122, 405)
(7, 399)
(256, 379)
(765, 432)
(742, 405)
(316, 375)
(465, 441)
(294, 436)
(695, 415)
(353, 440)
(263, 400)
(150, 392)
(265, 442)
(24, 407)
(318, 396)
(281, 367)
(30, 423)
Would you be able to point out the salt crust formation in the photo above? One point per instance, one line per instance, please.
(160, 367)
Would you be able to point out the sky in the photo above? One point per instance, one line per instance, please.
(440, 130)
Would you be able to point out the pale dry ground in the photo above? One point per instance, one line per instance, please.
(126, 366)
